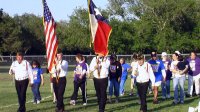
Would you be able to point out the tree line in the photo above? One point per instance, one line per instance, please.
(138, 26)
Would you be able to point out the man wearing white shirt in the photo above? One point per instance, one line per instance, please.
(99, 66)
(59, 72)
(23, 74)
(143, 72)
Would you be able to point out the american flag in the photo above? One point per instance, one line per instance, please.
(50, 36)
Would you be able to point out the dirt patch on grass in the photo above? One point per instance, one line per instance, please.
(6, 77)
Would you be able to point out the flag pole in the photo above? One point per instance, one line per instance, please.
(90, 44)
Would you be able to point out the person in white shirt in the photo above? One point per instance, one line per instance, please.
(23, 74)
(143, 72)
(99, 66)
(178, 79)
(59, 72)
(133, 77)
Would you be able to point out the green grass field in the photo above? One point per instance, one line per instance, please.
(9, 103)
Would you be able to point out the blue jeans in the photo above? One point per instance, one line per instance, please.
(121, 90)
(113, 83)
(36, 92)
(179, 82)
(165, 88)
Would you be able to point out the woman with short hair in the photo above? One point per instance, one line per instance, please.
(79, 80)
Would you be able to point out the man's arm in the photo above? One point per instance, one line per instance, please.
(64, 65)
(93, 65)
(151, 75)
(11, 72)
(30, 72)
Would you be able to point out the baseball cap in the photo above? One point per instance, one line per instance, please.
(177, 52)
(164, 54)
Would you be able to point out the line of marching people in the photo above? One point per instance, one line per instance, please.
(109, 72)
(155, 73)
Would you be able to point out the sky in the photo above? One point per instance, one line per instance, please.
(60, 9)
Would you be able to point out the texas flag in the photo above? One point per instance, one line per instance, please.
(100, 30)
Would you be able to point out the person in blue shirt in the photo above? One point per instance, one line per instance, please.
(38, 80)
(159, 72)
(125, 69)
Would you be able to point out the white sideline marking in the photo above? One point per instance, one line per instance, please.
(26, 102)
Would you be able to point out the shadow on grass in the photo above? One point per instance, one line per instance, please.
(82, 108)
(125, 102)
(92, 103)
(187, 101)
(41, 109)
(122, 107)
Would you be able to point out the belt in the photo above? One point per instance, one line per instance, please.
(22, 78)
(140, 82)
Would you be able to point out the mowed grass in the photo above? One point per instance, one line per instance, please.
(9, 102)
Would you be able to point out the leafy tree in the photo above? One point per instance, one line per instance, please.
(32, 33)
(138, 25)
(10, 40)
(76, 35)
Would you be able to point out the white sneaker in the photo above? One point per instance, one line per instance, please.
(131, 94)
(72, 102)
(38, 101)
(84, 104)
(34, 103)
(181, 102)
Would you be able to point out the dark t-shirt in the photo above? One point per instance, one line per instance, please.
(182, 65)
(115, 70)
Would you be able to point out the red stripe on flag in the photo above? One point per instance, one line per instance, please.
(54, 54)
(50, 36)
(102, 38)
(52, 39)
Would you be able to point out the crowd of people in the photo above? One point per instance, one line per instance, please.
(111, 74)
